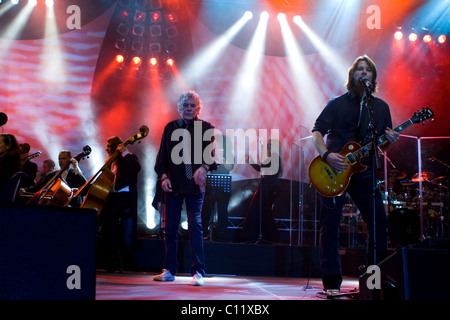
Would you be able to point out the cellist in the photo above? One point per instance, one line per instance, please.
(117, 220)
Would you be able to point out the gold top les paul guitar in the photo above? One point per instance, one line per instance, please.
(330, 182)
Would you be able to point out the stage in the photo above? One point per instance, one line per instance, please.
(140, 286)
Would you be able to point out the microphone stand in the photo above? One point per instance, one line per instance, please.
(373, 156)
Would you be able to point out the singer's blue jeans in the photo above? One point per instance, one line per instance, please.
(360, 190)
(174, 205)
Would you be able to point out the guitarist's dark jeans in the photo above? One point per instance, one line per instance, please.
(360, 190)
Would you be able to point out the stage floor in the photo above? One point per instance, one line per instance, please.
(140, 286)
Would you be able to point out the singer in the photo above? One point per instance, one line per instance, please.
(344, 119)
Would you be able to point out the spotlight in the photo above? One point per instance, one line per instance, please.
(297, 19)
(155, 16)
(171, 32)
(412, 37)
(155, 31)
(120, 58)
(49, 3)
(281, 16)
(137, 45)
(170, 62)
(442, 38)
(248, 15)
(32, 2)
(138, 30)
(136, 62)
(121, 44)
(264, 15)
(123, 29)
(153, 61)
(155, 47)
(123, 14)
(14, 2)
(398, 35)
(139, 16)
(427, 38)
(171, 17)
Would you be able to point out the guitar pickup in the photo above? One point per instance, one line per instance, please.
(351, 158)
(329, 172)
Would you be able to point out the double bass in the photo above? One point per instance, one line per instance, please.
(97, 189)
(56, 192)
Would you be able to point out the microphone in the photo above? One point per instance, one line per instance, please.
(367, 84)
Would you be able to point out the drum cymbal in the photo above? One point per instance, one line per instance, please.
(397, 175)
(407, 182)
(439, 178)
(426, 175)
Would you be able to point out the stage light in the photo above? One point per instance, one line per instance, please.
(170, 62)
(264, 15)
(427, 38)
(412, 37)
(136, 61)
(281, 16)
(14, 2)
(123, 29)
(398, 35)
(248, 15)
(121, 44)
(124, 15)
(155, 16)
(49, 3)
(120, 58)
(139, 16)
(155, 47)
(155, 31)
(153, 61)
(171, 32)
(138, 30)
(32, 2)
(171, 17)
(297, 19)
(442, 38)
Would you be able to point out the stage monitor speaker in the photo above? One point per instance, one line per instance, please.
(418, 272)
(47, 253)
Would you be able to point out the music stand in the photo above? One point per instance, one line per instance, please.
(216, 184)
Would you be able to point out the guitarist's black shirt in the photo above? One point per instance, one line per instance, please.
(339, 121)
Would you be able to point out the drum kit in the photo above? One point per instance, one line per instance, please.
(404, 196)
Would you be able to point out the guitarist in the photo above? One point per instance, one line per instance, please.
(344, 119)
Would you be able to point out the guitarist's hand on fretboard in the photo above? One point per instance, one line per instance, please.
(392, 137)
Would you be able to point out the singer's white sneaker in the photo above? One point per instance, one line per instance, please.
(198, 280)
(164, 276)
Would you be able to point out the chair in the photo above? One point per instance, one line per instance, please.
(10, 192)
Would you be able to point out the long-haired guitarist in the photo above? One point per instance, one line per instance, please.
(344, 119)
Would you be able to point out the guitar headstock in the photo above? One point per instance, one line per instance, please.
(85, 153)
(143, 132)
(422, 115)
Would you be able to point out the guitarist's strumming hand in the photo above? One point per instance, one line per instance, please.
(336, 161)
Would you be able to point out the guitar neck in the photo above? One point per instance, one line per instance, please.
(382, 139)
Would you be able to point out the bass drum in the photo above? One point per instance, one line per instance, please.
(403, 227)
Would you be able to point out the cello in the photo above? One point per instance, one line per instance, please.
(97, 189)
(56, 191)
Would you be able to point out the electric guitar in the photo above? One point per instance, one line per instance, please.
(330, 182)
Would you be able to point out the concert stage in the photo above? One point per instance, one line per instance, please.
(140, 286)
